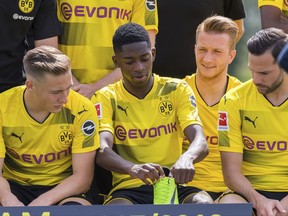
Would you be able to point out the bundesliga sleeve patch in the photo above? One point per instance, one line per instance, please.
(98, 107)
(88, 127)
(223, 121)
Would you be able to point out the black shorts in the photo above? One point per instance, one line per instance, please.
(273, 195)
(270, 195)
(26, 194)
(214, 195)
(144, 194)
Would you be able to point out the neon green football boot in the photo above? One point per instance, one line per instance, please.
(165, 191)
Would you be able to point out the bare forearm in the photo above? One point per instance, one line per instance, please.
(152, 36)
(73, 185)
(241, 185)
(110, 78)
(75, 81)
(240, 24)
(88, 90)
(198, 148)
(272, 16)
(109, 160)
(4, 188)
(7, 198)
(197, 151)
(278, 25)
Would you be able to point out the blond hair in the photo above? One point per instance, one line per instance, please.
(219, 24)
(45, 60)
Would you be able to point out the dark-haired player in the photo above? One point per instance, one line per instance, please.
(143, 118)
(252, 129)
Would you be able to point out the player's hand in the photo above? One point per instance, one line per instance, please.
(42, 200)
(269, 207)
(147, 171)
(84, 89)
(11, 200)
(277, 213)
(183, 171)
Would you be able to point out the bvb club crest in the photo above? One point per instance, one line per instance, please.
(26, 6)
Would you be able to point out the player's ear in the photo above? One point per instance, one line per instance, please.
(153, 51)
(29, 84)
(232, 56)
(114, 59)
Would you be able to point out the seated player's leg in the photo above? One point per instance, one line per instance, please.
(193, 195)
(75, 200)
(139, 195)
(231, 197)
(101, 185)
(26, 194)
(119, 201)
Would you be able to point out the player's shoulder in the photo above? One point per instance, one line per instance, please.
(77, 101)
(169, 81)
(190, 79)
(12, 99)
(233, 82)
(242, 90)
(109, 91)
(111, 88)
(169, 85)
(12, 94)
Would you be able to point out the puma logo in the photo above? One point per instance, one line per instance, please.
(82, 111)
(19, 137)
(122, 109)
(225, 99)
(252, 121)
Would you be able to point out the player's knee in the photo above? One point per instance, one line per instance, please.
(232, 198)
(118, 201)
(74, 201)
(201, 197)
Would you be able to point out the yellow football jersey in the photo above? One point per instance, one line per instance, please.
(281, 4)
(248, 123)
(88, 28)
(208, 174)
(150, 129)
(41, 153)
